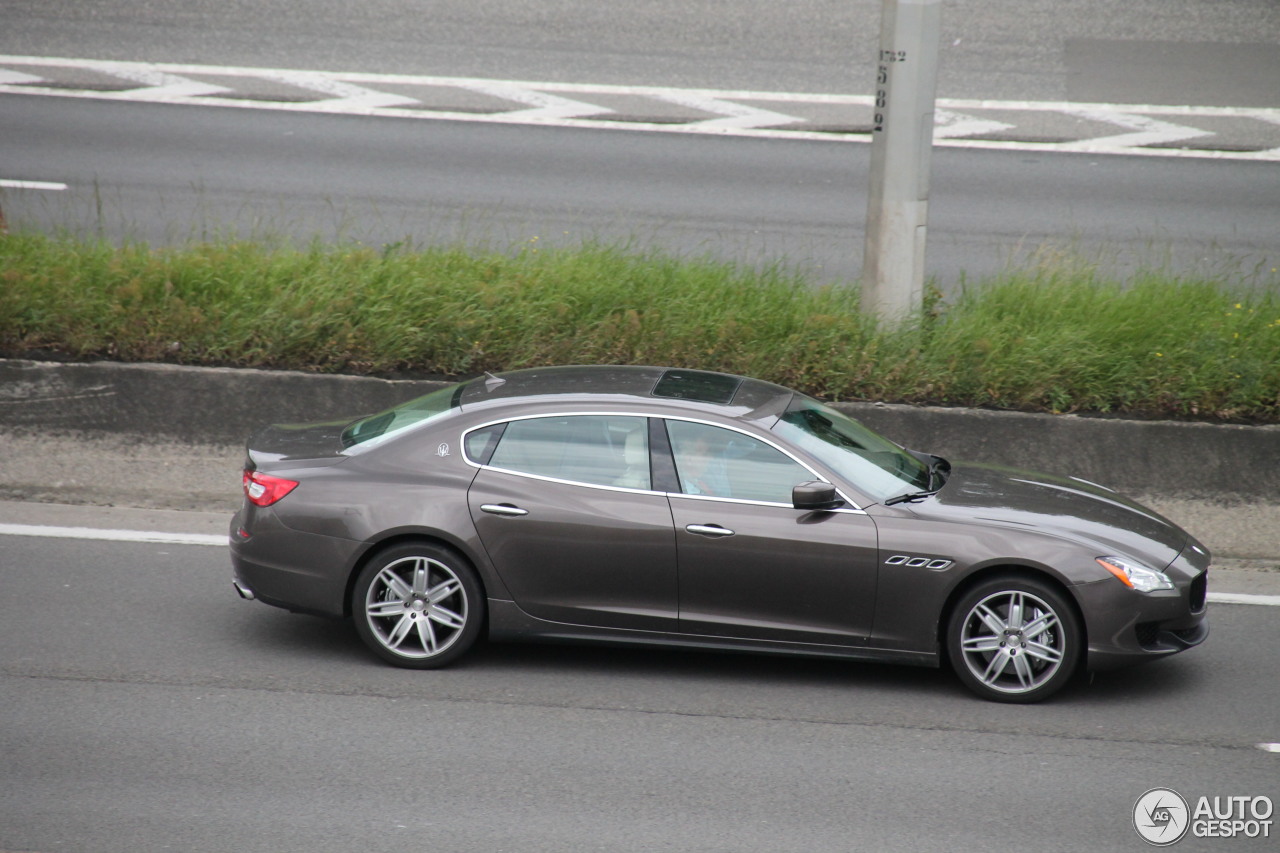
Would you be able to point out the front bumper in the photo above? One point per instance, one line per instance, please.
(1127, 627)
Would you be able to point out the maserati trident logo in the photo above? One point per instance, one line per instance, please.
(1161, 817)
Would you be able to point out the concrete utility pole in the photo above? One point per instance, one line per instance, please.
(901, 142)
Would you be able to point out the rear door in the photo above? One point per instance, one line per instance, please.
(564, 507)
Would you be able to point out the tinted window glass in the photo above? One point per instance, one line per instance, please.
(403, 416)
(727, 464)
(867, 460)
(603, 450)
(480, 443)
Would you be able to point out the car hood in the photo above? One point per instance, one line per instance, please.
(1061, 506)
(292, 442)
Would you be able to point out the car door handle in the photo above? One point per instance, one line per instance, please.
(709, 530)
(503, 509)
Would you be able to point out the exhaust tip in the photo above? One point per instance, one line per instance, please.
(244, 591)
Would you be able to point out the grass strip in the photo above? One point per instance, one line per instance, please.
(1054, 337)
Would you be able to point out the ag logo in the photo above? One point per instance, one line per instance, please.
(1161, 817)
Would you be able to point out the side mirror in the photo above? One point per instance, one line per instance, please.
(815, 495)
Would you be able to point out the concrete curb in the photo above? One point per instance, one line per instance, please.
(221, 406)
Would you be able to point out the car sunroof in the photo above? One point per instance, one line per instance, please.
(697, 385)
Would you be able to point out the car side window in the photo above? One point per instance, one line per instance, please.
(727, 464)
(481, 443)
(601, 450)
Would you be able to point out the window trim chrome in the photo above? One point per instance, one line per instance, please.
(851, 508)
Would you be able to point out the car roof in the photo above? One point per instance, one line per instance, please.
(578, 384)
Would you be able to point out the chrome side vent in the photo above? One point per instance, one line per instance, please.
(935, 564)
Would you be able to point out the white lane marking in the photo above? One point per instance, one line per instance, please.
(1271, 154)
(1269, 747)
(31, 185)
(1244, 598)
(956, 125)
(53, 532)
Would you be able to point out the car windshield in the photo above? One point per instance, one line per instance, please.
(872, 463)
(399, 418)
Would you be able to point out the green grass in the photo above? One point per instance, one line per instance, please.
(1055, 337)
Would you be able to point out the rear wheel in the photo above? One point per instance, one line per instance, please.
(1014, 639)
(418, 606)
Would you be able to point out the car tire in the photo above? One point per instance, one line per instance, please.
(1014, 639)
(418, 606)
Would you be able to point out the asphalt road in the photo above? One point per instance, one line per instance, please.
(168, 173)
(165, 173)
(1214, 52)
(148, 708)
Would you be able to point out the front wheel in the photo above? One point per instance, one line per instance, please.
(417, 606)
(1014, 640)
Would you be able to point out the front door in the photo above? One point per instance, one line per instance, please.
(751, 566)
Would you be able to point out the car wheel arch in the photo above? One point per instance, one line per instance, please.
(1007, 570)
(395, 540)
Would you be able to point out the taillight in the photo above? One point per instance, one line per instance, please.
(264, 490)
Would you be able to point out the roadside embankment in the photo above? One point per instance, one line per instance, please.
(170, 437)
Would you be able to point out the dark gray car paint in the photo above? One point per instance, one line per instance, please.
(303, 552)
(585, 556)
(757, 583)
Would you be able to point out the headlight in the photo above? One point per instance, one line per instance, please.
(1135, 576)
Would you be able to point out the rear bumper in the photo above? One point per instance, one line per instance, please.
(303, 572)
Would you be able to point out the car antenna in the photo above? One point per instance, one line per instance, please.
(491, 382)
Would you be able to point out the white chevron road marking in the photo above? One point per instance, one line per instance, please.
(1146, 130)
(950, 125)
(735, 116)
(157, 84)
(9, 77)
(546, 107)
(344, 96)
(1273, 117)
(1150, 130)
